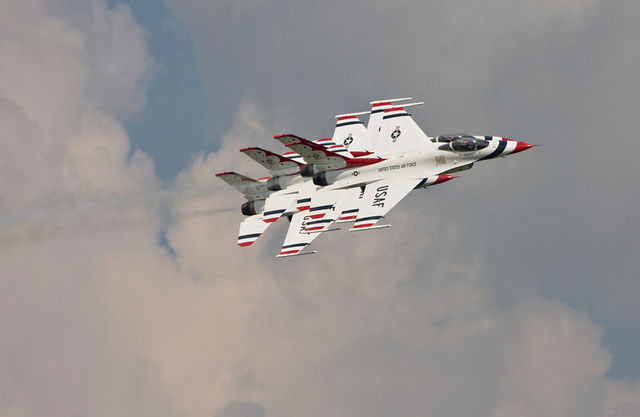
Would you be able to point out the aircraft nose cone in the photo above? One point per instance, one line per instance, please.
(522, 146)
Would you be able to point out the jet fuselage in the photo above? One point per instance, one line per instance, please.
(422, 162)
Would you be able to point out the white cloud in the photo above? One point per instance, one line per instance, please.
(556, 73)
(60, 150)
(373, 334)
(98, 319)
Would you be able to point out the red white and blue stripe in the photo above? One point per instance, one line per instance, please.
(380, 107)
(394, 112)
(292, 249)
(348, 120)
(348, 215)
(248, 239)
(272, 215)
(365, 222)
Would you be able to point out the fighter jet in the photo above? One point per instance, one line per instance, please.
(359, 175)
(407, 159)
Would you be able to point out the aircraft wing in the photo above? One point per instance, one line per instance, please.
(326, 207)
(398, 132)
(350, 206)
(379, 198)
(277, 204)
(296, 239)
(252, 189)
(250, 230)
(276, 164)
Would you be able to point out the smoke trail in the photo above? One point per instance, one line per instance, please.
(48, 219)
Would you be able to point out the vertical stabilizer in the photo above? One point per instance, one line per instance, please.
(397, 131)
(350, 132)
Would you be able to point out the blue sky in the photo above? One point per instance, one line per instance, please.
(175, 124)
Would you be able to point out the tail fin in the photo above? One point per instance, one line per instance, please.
(350, 132)
(397, 131)
(377, 108)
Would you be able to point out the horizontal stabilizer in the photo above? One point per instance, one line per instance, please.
(252, 189)
(231, 177)
(276, 164)
(288, 138)
(314, 153)
(326, 142)
(251, 229)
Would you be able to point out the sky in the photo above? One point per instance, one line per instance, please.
(512, 290)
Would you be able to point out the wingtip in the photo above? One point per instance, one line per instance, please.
(359, 113)
(390, 100)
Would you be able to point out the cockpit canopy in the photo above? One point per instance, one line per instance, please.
(460, 142)
(451, 137)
